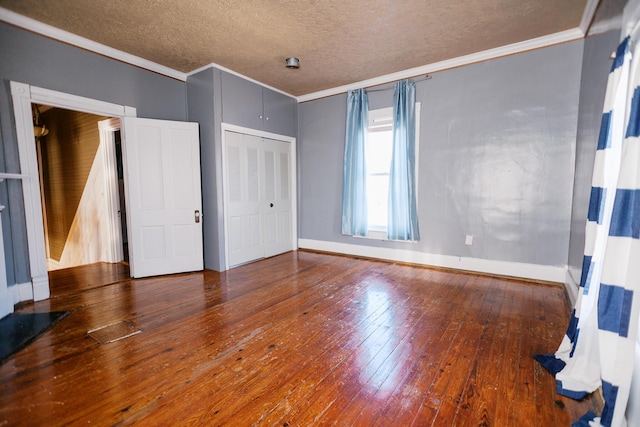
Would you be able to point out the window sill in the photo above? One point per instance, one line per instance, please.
(382, 236)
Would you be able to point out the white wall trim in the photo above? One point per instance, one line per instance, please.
(54, 33)
(107, 129)
(4, 175)
(49, 31)
(23, 95)
(80, 103)
(572, 283)
(242, 76)
(6, 302)
(546, 273)
(256, 132)
(588, 14)
(537, 43)
(21, 292)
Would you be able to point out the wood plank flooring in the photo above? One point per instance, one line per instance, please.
(301, 339)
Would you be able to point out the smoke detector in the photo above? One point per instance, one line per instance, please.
(292, 63)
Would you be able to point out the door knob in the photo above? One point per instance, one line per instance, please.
(270, 205)
(197, 215)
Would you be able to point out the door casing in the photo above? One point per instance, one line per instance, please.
(23, 95)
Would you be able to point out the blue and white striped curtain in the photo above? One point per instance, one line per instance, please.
(599, 346)
(354, 176)
(402, 212)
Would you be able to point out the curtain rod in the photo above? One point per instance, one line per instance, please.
(631, 38)
(425, 77)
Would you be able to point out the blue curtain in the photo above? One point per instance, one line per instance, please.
(354, 184)
(599, 345)
(402, 216)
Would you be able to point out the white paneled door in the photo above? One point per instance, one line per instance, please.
(277, 197)
(243, 198)
(258, 197)
(163, 193)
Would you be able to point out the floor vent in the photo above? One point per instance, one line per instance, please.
(114, 332)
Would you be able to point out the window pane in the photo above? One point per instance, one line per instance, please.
(377, 191)
(379, 148)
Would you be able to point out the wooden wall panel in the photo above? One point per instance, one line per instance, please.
(68, 152)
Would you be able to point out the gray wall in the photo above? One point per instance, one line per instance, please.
(38, 61)
(596, 64)
(497, 145)
(214, 96)
(204, 107)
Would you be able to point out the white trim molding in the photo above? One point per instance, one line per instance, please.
(572, 283)
(547, 273)
(6, 301)
(54, 33)
(23, 95)
(256, 132)
(107, 149)
(511, 49)
(21, 292)
(588, 14)
(242, 76)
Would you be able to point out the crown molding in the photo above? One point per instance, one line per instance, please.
(54, 33)
(537, 43)
(235, 73)
(588, 14)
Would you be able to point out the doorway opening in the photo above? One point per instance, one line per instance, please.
(82, 191)
(162, 182)
(122, 211)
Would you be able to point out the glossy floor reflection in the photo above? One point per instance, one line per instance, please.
(299, 339)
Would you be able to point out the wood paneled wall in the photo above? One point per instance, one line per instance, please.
(68, 152)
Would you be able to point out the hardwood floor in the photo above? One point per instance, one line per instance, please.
(300, 339)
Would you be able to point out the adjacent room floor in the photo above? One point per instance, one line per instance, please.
(300, 339)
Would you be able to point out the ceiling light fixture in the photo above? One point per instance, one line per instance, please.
(292, 63)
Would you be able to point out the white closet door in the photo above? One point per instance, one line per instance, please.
(162, 163)
(277, 197)
(243, 198)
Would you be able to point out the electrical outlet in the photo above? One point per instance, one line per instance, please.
(468, 240)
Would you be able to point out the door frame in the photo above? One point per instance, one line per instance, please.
(293, 175)
(23, 95)
(107, 129)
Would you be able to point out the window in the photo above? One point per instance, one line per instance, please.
(378, 157)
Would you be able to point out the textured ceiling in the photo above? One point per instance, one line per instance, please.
(338, 41)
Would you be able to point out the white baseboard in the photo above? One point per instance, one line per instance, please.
(572, 283)
(21, 292)
(6, 303)
(546, 273)
(40, 287)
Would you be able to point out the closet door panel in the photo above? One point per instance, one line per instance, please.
(243, 159)
(277, 197)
